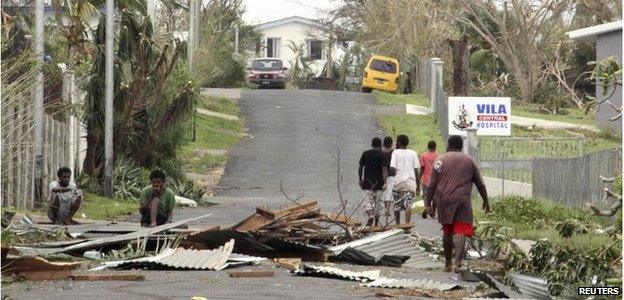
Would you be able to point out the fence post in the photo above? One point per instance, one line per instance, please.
(435, 79)
(472, 144)
(69, 96)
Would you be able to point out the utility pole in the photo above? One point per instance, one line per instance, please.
(236, 38)
(38, 113)
(191, 34)
(108, 100)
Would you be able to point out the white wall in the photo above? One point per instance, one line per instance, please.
(298, 33)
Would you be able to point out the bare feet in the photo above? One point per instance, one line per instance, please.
(152, 225)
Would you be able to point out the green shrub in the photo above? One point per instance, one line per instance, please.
(517, 210)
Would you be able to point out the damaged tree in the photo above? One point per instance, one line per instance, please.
(153, 96)
(461, 50)
(607, 194)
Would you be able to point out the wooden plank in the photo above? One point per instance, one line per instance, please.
(241, 274)
(288, 263)
(265, 212)
(43, 275)
(108, 277)
(342, 218)
(37, 268)
(308, 205)
(254, 223)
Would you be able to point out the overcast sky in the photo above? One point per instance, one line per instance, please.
(260, 11)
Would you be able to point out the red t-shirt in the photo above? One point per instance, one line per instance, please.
(426, 162)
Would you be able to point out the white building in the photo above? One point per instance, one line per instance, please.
(280, 35)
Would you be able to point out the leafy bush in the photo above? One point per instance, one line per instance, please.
(129, 180)
(517, 210)
(186, 189)
(566, 265)
(571, 227)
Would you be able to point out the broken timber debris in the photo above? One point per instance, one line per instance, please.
(240, 274)
(108, 277)
(37, 268)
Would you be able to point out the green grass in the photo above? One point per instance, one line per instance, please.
(219, 104)
(594, 141)
(387, 98)
(212, 133)
(575, 116)
(101, 208)
(419, 129)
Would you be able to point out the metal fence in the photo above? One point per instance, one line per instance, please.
(575, 181)
(17, 163)
(511, 158)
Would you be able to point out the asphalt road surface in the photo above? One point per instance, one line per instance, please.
(295, 138)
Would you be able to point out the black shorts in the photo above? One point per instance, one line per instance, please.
(146, 220)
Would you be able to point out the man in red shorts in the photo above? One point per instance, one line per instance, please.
(450, 187)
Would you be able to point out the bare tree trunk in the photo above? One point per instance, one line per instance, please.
(461, 66)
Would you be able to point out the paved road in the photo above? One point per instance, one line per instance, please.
(292, 136)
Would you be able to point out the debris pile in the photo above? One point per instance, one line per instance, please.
(291, 236)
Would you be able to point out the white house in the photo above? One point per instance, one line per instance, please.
(280, 34)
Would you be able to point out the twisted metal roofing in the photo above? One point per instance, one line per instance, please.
(412, 284)
(388, 246)
(186, 259)
(321, 271)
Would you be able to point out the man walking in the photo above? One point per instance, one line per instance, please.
(450, 188)
(426, 165)
(372, 175)
(404, 163)
(157, 201)
(65, 198)
(387, 149)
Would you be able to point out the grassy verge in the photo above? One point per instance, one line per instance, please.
(212, 134)
(219, 104)
(594, 141)
(94, 207)
(101, 208)
(419, 128)
(575, 116)
(388, 99)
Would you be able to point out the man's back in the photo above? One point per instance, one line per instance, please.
(455, 173)
(373, 162)
(404, 161)
(426, 162)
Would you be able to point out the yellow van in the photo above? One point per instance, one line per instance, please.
(381, 73)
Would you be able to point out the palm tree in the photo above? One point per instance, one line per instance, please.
(153, 95)
(301, 72)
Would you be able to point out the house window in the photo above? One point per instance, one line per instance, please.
(315, 48)
(272, 47)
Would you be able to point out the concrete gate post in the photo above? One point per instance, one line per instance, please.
(472, 145)
(435, 80)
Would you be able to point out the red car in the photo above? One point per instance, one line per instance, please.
(267, 72)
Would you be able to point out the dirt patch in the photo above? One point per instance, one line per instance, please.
(208, 182)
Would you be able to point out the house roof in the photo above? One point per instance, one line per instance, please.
(294, 19)
(590, 33)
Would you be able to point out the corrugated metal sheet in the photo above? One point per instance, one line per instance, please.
(253, 243)
(533, 287)
(331, 272)
(369, 239)
(393, 242)
(492, 282)
(180, 258)
(426, 284)
(360, 257)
